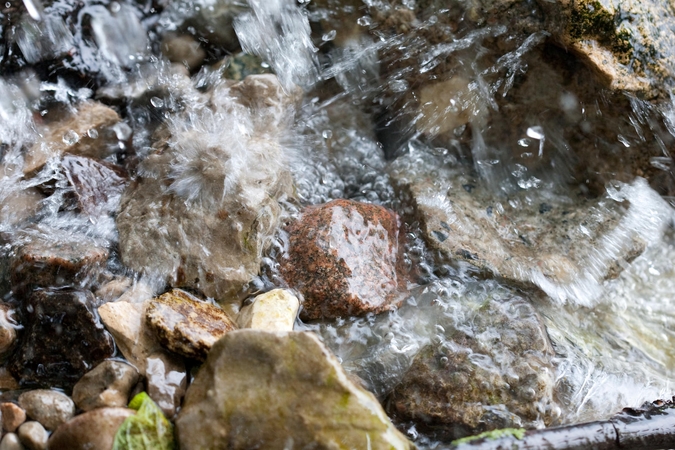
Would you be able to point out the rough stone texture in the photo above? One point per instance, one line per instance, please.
(185, 325)
(164, 371)
(33, 436)
(72, 135)
(8, 326)
(275, 310)
(343, 258)
(208, 202)
(92, 430)
(48, 257)
(12, 416)
(62, 339)
(10, 441)
(183, 49)
(307, 398)
(564, 245)
(97, 187)
(494, 371)
(108, 384)
(50, 408)
(7, 381)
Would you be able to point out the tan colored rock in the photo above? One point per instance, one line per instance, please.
(183, 49)
(50, 408)
(72, 135)
(33, 435)
(165, 372)
(307, 398)
(275, 310)
(185, 325)
(12, 416)
(95, 429)
(7, 329)
(11, 441)
(446, 105)
(113, 289)
(107, 385)
(7, 381)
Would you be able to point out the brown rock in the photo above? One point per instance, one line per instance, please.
(95, 429)
(50, 408)
(12, 416)
(7, 381)
(33, 435)
(343, 259)
(183, 49)
(186, 325)
(108, 384)
(8, 327)
(72, 135)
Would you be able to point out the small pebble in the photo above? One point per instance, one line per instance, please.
(11, 441)
(108, 384)
(12, 416)
(50, 408)
(33, 435)
(275, 310)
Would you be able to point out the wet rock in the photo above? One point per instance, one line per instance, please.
(46, 257)
(343, 259)
(12, 416)
(565, 245)
(275, 310)
(62, 339)
(185, 325)
(108, 384)
(92, 430)
(7, 381)
(225, 407)
(494, 370)
(33, 436)
(241, 65)
(50, 408)
(215, 217)
(10, 441)
(97, 187)
(79, 134)
(8, 326)
(114, 289)
(164, 371)
(183, 49)
(20, 206)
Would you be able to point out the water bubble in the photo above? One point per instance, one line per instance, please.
(122, 131)
(524, 142)
(115, 7)
(92, 133)
(157, 102)
(71, 137)
(364, 21)
(329, 36)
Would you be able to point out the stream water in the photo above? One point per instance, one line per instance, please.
(613, 340)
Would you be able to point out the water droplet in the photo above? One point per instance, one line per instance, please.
(327, 134)
(364, 21)
(70, 137)
(157, 102)
(92, 133)
(122, 131)
(115, 7)
(329, 36)
(524, 142)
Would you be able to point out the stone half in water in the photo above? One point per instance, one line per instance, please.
(565, 245)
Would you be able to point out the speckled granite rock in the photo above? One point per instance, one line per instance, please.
(62, 339)
(107, 385)
(343, 258)
(185, 325)
(307, 398)
(494, 371)
(92, 430)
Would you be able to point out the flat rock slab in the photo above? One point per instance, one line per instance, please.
(186, 325)
(263, 390)
(343, 258)
(566, 246)
(62, 339)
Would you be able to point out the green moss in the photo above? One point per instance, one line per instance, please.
(148, 429)
(517, 433)
(590, 20)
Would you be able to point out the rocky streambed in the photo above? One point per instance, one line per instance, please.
(336, 224)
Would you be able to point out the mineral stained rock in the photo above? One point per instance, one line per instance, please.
(207, 202)
(494, 372)
(185, 325)
(343, 258)
(264, 390)
(62, 339)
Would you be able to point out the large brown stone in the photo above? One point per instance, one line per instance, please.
(344, 259)
(263, 390)
(92, 430)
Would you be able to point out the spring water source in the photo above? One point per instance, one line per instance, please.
(527, 124)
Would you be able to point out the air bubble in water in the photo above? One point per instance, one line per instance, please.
(71, 137)
(329, 36)
(157, 102)
(92, 133)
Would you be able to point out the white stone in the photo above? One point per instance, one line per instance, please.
(275, 310)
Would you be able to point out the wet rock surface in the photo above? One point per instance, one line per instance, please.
(343, 259)
(225, 409)
(33, 435)
(165, 372)
(92, 430)
(185, 325)
(275, 310)
(62, 339)
(12, 416)
(495, 372)
(50, 408)
(8, 326)
(108, 385)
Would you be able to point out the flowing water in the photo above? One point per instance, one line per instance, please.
(613, 340)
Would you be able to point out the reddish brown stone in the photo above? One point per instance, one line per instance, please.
(343, 259)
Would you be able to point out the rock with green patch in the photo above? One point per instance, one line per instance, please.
(265, 390)
(492, 370)
(147, 429)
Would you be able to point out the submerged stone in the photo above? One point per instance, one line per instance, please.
(493, 371)
(185, 325)
(343, 258)
(62, 338)
(264, 390)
